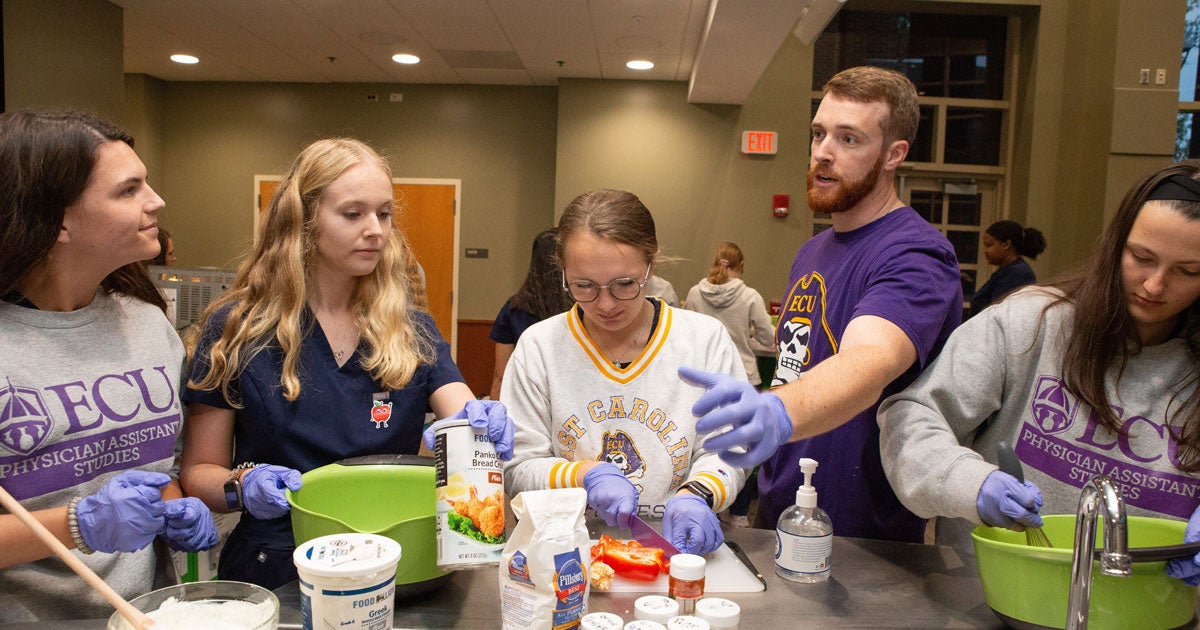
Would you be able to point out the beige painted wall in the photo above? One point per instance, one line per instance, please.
(498, 140)
(60, 53)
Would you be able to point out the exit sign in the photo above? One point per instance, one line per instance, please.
(760, 142)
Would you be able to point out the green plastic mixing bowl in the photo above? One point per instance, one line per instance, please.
(389, 495)
(1029, 586)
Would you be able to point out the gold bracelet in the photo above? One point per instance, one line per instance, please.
(73, 525)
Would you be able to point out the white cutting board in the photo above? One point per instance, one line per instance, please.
(724, 573)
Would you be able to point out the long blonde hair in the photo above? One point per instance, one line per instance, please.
(267, 301)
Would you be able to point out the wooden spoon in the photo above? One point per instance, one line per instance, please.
(135, 617)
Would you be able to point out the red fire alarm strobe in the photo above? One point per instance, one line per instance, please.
(760, 142)
(780, 206)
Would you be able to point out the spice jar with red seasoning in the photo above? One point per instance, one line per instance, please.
(686, 584)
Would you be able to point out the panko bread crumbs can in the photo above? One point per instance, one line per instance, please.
(470, 497)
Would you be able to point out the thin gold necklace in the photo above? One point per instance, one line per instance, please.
(633, 345)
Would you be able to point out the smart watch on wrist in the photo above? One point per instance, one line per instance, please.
(233, 487)
(697, 488)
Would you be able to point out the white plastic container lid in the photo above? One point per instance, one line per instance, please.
(601, 621)
(687, 622)
(686, 566)
(644, 624)
(719, 612)
(656, 607)
(347, 555)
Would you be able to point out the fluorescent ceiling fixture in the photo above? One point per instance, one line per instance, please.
(639, 64)
(189, 59)
(406, 59)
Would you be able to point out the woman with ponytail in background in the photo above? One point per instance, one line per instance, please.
(1004, 244)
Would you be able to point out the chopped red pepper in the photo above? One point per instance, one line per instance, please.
(630, 559)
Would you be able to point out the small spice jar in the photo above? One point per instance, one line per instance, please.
(686, 584)
(601, 621)
(655, 608)
(720, 613)
(687, 622)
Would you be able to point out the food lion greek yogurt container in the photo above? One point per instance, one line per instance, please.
(470, 497)
(347, 581)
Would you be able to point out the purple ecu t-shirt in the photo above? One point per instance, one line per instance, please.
(899, 268)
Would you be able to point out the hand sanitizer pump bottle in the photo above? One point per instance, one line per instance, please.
(804, 535)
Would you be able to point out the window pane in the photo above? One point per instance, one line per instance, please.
(964, 209)
(928, 204)
(944, 55)
(1187, 141)
(1190, 62)
(922, 148)
(973, 136)
(968, 277)
(966, 245)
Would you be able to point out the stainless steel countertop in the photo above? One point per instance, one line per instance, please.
(874, 584)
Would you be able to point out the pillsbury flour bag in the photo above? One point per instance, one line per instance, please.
(543, 568)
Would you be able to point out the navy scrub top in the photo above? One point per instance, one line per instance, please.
(340, 413)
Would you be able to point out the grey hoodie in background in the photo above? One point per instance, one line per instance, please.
(744, 314)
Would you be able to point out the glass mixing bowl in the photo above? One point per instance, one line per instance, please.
(211, 605)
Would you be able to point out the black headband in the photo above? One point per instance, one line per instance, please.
(1176, 188)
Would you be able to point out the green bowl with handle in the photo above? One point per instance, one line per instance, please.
(388, 495)
(1028, 587)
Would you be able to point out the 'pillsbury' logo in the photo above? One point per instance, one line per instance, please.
(570, 589)
(518, 569)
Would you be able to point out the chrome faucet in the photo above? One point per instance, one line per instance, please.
(1100, 493)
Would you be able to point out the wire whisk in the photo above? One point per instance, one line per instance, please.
(1007, 460)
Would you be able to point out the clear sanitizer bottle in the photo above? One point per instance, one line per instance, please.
(804, 535)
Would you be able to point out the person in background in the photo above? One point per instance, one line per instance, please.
(594, 390)
(316, 354)
(1004, 244)
(539, 297)
(166, 249)
(1094, 373)
(90, 371)
(869, 304)
(723, 295)
(660, 287)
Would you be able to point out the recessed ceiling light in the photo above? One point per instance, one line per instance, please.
(406, 59)
(639, 64)
(185, 59)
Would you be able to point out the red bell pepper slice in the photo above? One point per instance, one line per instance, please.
(629, 559)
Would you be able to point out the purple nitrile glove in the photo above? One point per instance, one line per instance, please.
(1005, 502)
(482, 413)
(189, 525)
(1188, 569)
(611, 494)
(691, 525)
(126, 514)
(758, 421)
(262, 490)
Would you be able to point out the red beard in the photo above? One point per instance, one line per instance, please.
(845, 195)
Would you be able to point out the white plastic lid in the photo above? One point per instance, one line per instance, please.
(687, 622)
(601, 621)
(686, 566)
(719, 612)
(347, 555)
(644, 624)
(657, 608)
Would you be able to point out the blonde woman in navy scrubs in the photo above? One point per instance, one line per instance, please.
(316, 354)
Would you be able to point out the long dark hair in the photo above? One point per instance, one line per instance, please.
(1103, 332)
(46, 159)
(541, 293)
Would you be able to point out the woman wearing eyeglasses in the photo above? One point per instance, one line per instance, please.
(595, 392)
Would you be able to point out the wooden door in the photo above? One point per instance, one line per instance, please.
(426, 214)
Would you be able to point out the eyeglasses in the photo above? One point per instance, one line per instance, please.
(619, 289)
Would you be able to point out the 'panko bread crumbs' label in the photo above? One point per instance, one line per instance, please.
(470, 497)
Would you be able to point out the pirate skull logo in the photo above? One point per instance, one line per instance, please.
(794, 336)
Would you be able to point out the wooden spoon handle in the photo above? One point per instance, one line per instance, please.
(135, 617)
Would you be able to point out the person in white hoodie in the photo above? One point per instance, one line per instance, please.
(724, 296)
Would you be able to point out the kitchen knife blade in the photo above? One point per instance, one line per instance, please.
(645, 534)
